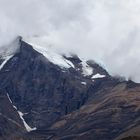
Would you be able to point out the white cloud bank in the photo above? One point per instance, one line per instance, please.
(107, 31)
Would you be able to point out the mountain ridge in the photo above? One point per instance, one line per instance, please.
(76, 100)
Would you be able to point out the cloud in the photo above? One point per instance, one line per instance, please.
(107, 31)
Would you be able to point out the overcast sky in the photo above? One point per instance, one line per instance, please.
(107, 31)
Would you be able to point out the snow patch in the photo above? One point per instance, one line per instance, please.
(11, 101)
(52, 55)
(28, 128)
(86, 69)
(97, 76)
(70, 63)
(9, 51)
(83, 83)
(6, 59)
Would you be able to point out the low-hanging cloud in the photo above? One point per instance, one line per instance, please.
(107, 31)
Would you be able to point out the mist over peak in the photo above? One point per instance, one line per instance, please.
(106, 31)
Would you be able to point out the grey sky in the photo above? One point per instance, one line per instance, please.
(107, 31)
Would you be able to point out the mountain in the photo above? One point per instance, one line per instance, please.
(53, 96)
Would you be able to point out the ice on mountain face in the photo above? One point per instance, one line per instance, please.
(98, 76)
(70, 63)
(11, 102)
(6, 59)
(28, 128)
(83, 83)
(8, 51)
(52, 56)
(86, 69)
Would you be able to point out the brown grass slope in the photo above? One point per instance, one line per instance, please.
(109, 113)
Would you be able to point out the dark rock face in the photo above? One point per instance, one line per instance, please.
(41, 89)
(11, 126)
(59, 105)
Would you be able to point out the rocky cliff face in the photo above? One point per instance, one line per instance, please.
(52, 96)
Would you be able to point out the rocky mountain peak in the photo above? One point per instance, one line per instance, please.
(58, 96)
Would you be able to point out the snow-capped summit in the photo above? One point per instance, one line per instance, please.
(54, 56)
(46, 93)
(60, 59)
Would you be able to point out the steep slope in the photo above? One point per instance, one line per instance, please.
(109, 113)
(11, 126)
(43, 86)
(55, 96)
